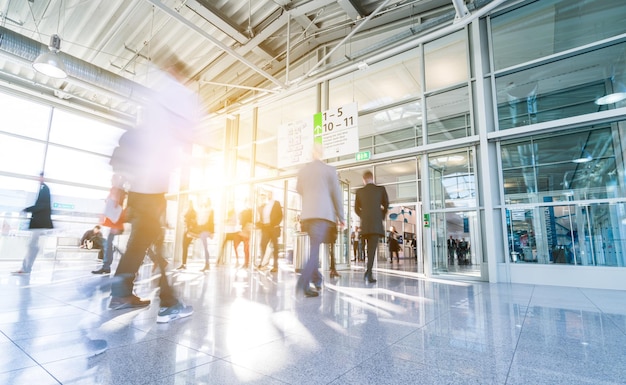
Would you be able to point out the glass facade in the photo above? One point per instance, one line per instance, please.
(560, 193)
(563, 186)
(541, 137)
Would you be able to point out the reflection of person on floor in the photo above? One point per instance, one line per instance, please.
(191, 223)
(39, 222)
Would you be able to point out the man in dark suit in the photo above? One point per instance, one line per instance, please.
(39, 222)
(322, 209)
(371, 204)
(271, 214)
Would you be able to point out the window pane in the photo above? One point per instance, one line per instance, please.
(545, 27)
(22, 117)
(87, 134)
(78, 167)
(448, 115)
(452, 180)
(399, 180)
(552, 91)
(446, 61)
(576, 165)
(574, 234)
(381, 84)
(21, 156)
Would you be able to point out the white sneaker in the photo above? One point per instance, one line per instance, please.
(167, 314)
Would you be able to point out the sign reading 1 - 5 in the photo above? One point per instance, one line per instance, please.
(336, 129)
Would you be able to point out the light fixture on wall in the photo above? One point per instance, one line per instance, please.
(50, 63)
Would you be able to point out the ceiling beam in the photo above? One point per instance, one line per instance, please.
(354, 31)
(348, 8)
(175, 15)
(218, 21)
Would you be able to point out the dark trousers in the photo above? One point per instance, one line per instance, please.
(372, 245)
(146, 211)
(331, 254)
(186, 243)
(317, 230)
(269, 234)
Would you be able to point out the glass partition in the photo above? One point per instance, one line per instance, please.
(564, 196)
(587, 234)
(382, 84)
(549, 91)
(543, 28)
(446, 61)
(448, 115)
(452, 179)
(25, 118)
(573, 165)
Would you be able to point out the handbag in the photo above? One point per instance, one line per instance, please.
(112, 210)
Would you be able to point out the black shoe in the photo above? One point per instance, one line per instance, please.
(310, 293)
(130, 301)
(101, 271)
(368, 278)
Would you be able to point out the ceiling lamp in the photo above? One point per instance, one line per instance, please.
(50, 63)
(584, 157)
(615, 97)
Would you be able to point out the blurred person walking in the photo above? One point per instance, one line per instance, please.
(271, 214)
(40, 221)
(322, 210)
(144, 159)
(191, 225)
(114, 217)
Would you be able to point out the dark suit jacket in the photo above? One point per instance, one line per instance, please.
(276, 216)
(371, 206)
(41, 210)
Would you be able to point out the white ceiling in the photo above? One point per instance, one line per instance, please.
(236, 50)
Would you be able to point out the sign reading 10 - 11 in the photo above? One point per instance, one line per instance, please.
(337, 131)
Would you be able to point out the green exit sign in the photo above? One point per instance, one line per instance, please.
(363, 155)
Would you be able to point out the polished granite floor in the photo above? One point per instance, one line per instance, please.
(250, 328)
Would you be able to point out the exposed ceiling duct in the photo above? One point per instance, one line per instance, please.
(27, 49)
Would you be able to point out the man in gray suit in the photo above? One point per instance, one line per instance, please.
(371, 204)
(322, 209)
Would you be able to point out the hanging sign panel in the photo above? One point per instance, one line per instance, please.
(295, 141)
(337, 130)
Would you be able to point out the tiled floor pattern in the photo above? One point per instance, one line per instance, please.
(249, 327)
